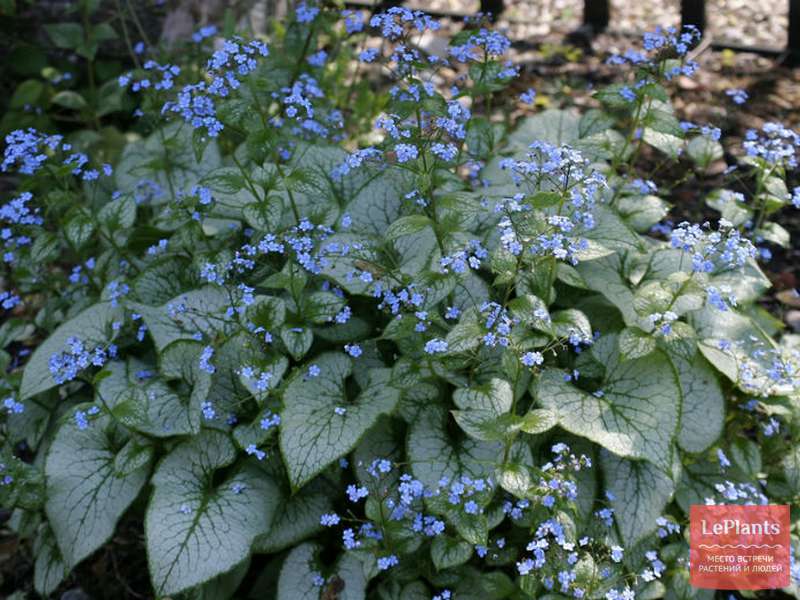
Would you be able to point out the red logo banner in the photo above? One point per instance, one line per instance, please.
(736, 547)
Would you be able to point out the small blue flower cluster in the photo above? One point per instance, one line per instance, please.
(12, 406)
(167, 74)
(463, 260)
(738, 95)
(566, 171)
(260, 379)
(27, 150)
(775, 144)
(659, 46)
(712, 250)
(392, 22)
(484, 43)
(9, 300)
(196, 102)
(66, 365)
(737, 493)
(81, 417)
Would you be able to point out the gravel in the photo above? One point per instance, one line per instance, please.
(744, 22)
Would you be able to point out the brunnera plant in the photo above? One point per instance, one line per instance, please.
(404, 346)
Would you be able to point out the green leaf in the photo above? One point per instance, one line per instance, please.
(484, 410)
(296, 580)
(407, 226)
(223, 586)
(65, 35)
(594, 121)
(703, 402)
(637, 414)
(49, 569)
(604, 146)
(45, 248)
(322, 307)
(642, 212)
(447, 552)
(552, 126)
(466, 335)
(791, 468)
(532, 312)
(435, 453)
(612, 232)
(475, 584)
(166, 158)
(611, 97)
(134, 455)
(640, 491)
(417, 252)
(775, 233)
(635, 343)
(151, 405)
(663, 121)
(93, 326)
(495, 396)
(264, 215)
(350, 571)
(387, 439)
(746, 456)
(118, 214)
(86, 496)
(27, 93)
(297, 340)
(697, 483)
(69, 99)
(198, 527)
(200, 311)
(571, 320)
(312, 435)
(484, 425)
(482, 135)
(665, 142)
(703, 151)
(296, 519)
(79, 227)
(730, 205)
(162, 280)
(538, 420)
(378, 204)
(604, 275)
(545, 199)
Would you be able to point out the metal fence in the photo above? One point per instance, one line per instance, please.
(597, 16)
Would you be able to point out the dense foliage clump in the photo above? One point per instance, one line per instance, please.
(325, 305)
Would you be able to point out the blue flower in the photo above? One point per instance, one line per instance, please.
(329, 520)
(738, 96)
(252, 450)
(528, 96)
(530, 359)
(318, 59)
(353, 350)
(406, 152)
(80, 420)
(205, 358)
(436, 346)
(387, 562)
(306, 13)
(12, 406)
(356, 493)
(627, 93)
(616, 553)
